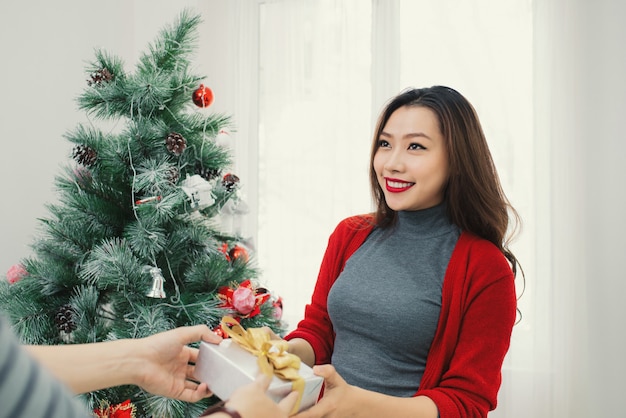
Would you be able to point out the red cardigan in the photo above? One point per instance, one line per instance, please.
(463, 368)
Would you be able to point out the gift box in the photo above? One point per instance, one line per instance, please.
(227, 366)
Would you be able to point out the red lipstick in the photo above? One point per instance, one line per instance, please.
(397, 185)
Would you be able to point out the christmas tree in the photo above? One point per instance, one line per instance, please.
(134, 246)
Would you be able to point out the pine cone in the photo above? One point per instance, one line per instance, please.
(100, 77)
(173, 174)
(65, 319)
(207, 173)
(175, 143)
(84, 155)
(230, 181)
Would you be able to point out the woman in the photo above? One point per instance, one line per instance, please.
(414, 305)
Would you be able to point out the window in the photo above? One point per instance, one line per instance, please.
(325, 74)
(314, 135)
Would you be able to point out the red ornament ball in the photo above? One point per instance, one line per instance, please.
(238, 252)
(203, 96)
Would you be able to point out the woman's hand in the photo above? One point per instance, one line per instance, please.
(338, 400)
(252, 402)
(342, 400)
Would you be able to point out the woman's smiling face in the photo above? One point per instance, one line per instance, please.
(411, 161)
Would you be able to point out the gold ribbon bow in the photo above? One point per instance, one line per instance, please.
(272, 356)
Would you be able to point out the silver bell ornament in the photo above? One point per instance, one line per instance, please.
(157, 290)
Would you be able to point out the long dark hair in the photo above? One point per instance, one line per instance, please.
(474, 198)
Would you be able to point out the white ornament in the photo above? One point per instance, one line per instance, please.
(199, 191)
(232, 214)
(223, 138)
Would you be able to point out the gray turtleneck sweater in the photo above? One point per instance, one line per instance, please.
(385, 304)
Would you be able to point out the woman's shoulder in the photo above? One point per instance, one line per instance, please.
(480, 252)
(357, 222)
(354, 227)
(472, 241)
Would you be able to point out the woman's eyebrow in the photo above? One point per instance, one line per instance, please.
(408, 136)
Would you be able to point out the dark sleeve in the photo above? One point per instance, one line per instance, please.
(29, 390)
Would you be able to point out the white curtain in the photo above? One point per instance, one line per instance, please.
(580, 102)
(314, 135)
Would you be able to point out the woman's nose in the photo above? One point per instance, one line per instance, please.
(394, 162)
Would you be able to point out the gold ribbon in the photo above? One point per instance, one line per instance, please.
(272, 356)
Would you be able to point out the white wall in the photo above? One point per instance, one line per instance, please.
(45, 46)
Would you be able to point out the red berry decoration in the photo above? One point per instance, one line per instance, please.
(220, 332)
(224, 250)
(203, 96)
(229, 181)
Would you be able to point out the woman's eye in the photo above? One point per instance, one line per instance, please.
(415, 146)
(382, 143)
